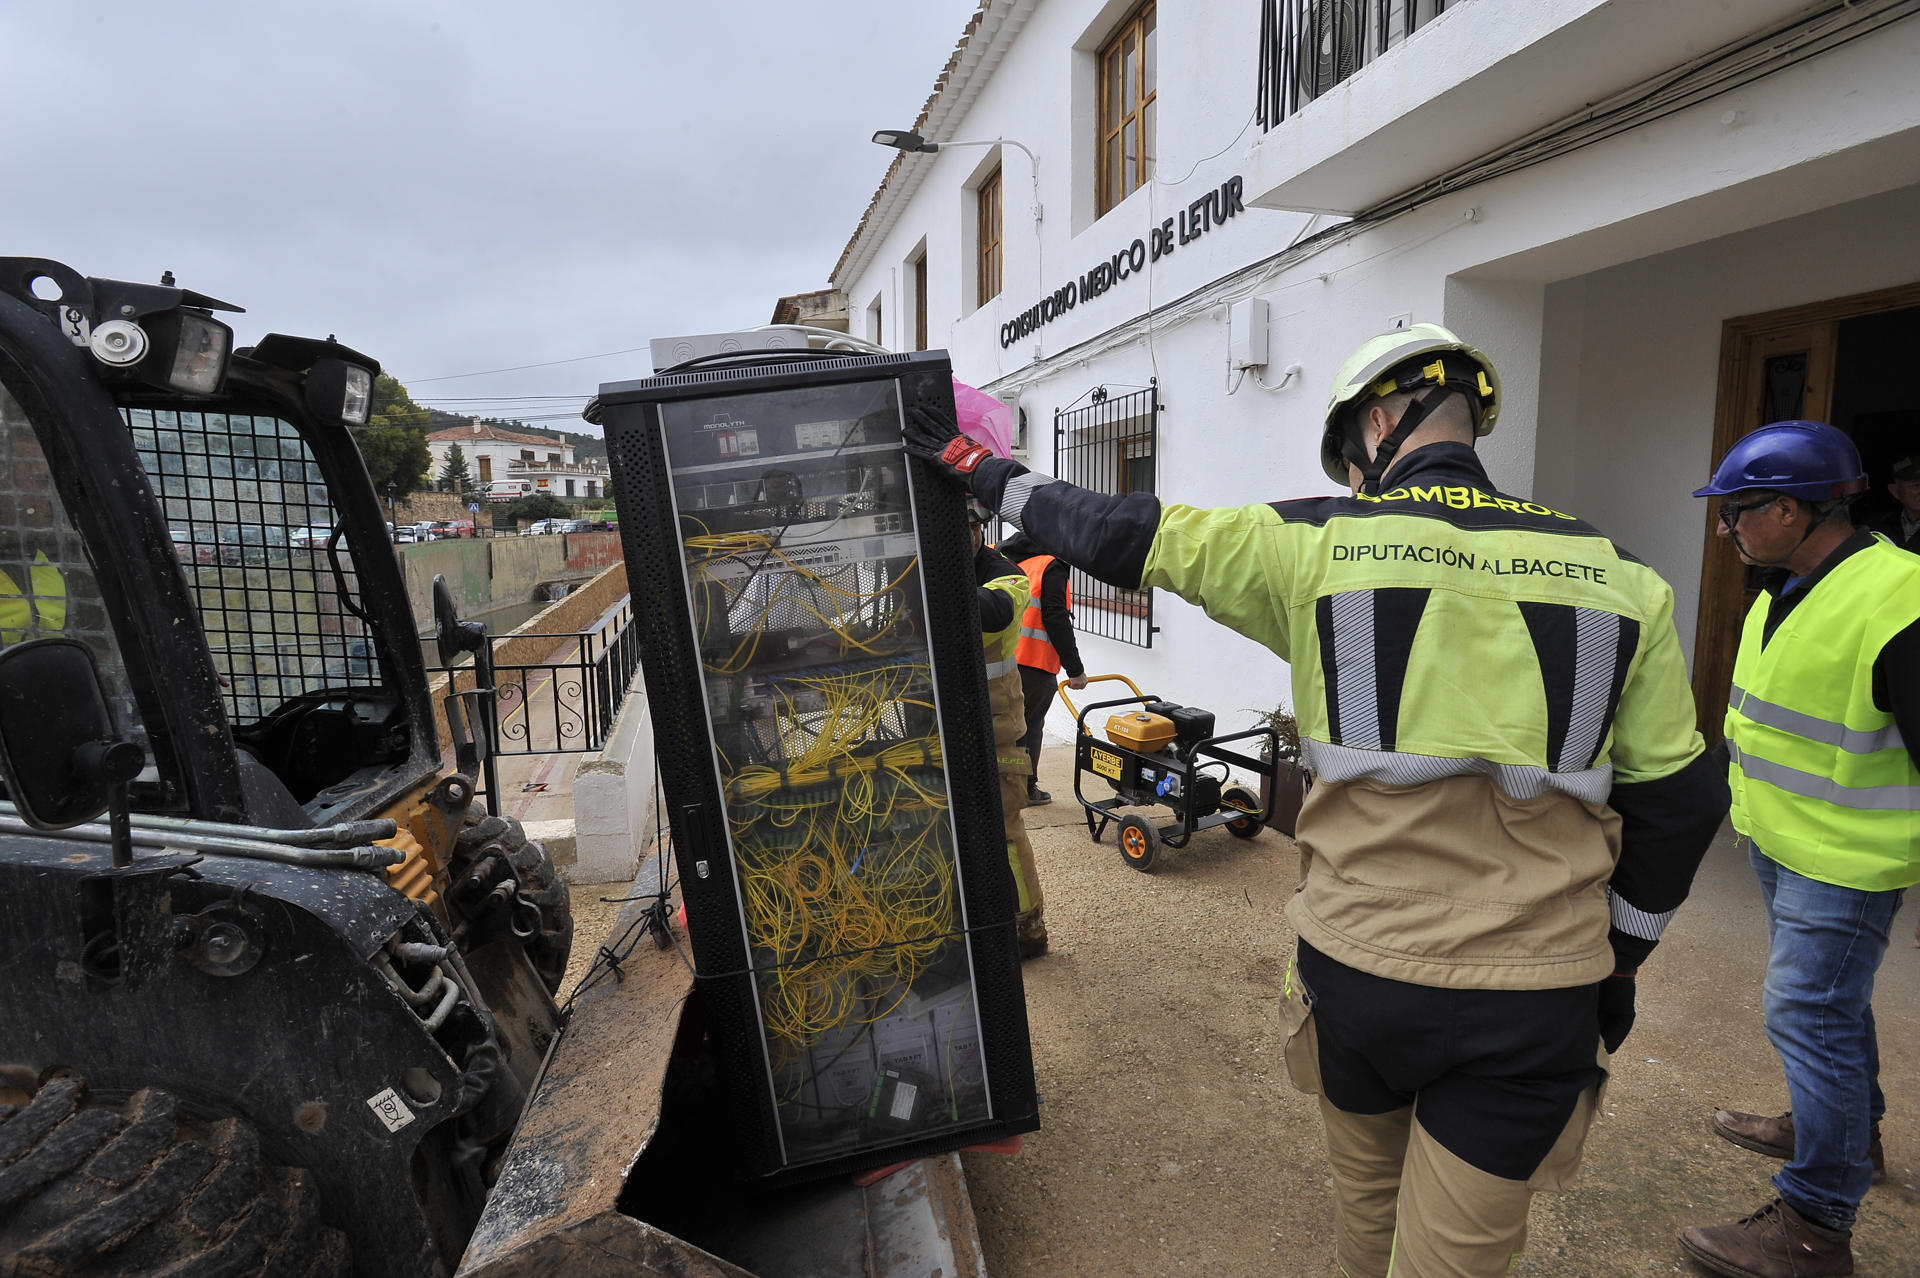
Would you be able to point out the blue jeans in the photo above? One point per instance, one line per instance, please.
(1825, 944)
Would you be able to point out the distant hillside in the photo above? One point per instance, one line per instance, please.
(585, 447)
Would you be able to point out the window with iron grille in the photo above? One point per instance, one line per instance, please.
(1128, 93)
(1110, 446)
(987, 267)
(1308, 46)
(252, 529)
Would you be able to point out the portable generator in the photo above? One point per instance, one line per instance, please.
(1154, 752)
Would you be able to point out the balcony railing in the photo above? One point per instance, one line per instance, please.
(1308, 46)
(558, 468)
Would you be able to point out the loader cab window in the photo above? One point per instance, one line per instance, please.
(47, 585)
(251, 523)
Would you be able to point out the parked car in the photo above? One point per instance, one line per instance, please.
(404, 535)
(538, 528)
(423, 531)
(253, 544)
(576, 525)
(312, 537)
(195, 544)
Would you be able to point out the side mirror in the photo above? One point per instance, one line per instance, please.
(62, 762)
(452, 636)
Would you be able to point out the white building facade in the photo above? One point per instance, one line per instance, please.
(1666, 223)
(495, 453)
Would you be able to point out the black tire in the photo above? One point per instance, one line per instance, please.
(1138, 842)
(1245, 800)
(92, 1188)
(540, 884)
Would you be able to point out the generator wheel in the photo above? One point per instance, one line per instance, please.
(1244, 800)
(540, 885)
(1138, 842)
(134, 1188)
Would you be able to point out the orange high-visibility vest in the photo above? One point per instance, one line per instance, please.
(1036, 648)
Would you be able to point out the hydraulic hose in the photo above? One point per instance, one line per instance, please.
(367, 858)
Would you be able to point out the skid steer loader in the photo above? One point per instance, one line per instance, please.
(277, 998)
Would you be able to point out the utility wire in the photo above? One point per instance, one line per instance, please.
(488, 372)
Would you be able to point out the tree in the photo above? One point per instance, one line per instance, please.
(392, 406)
(393, 443)
(539, 506)
(454, 476)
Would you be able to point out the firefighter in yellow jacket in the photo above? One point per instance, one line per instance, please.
(1510, 798)
(1003, 594)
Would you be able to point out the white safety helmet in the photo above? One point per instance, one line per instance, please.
(1408, 359)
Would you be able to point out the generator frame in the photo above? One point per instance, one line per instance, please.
(1138, 778)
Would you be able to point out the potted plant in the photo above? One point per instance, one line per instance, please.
(1282, 793)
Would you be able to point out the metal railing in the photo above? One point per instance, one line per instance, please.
(564, 702)
(1308, 46)
(1111, 446)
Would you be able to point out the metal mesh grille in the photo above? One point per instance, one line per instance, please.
(251, 520)
(1111, 446)
(47, 586)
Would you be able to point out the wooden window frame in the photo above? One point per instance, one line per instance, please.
(989, 206)
(920, 301)
(1113, 182)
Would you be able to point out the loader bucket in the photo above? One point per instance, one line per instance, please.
(605, 1134)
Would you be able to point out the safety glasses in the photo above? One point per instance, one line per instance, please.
(1731, 508)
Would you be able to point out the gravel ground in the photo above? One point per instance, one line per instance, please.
(1172, 1143)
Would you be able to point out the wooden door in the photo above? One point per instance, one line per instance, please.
(1773, 368)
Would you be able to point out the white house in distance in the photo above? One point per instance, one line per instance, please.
(1158, 229)
(494, 452)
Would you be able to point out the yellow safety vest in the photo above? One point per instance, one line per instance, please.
(1822, 780)
(1003, 676)
(41, 611)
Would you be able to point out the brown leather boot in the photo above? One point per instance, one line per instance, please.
(1030, 933)
(1774, 1242)
(1774, 1136)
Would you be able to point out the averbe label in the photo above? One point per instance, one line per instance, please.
(391, 1109)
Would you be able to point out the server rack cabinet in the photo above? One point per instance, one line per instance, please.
(811, 641)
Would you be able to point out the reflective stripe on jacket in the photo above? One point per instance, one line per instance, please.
(41, 611)
(1822, 779)
(1036, 646)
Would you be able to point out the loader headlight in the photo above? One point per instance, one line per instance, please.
(337, 391)
(200, 354)
(189, 351)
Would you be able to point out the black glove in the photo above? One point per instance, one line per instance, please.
(1616, 1010)
(964, 460)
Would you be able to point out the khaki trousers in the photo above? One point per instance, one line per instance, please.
(1026, 874)
(1405, 1206)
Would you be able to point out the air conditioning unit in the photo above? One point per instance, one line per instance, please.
(669, 351)
(1332, 38)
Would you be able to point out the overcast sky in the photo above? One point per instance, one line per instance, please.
(454, 186)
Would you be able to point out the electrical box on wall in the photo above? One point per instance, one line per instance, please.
(1247, 322)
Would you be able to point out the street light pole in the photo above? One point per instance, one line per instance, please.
(907, 141)
(391, 486)
(902, 140)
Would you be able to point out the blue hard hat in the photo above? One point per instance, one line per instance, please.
(1808, 460)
